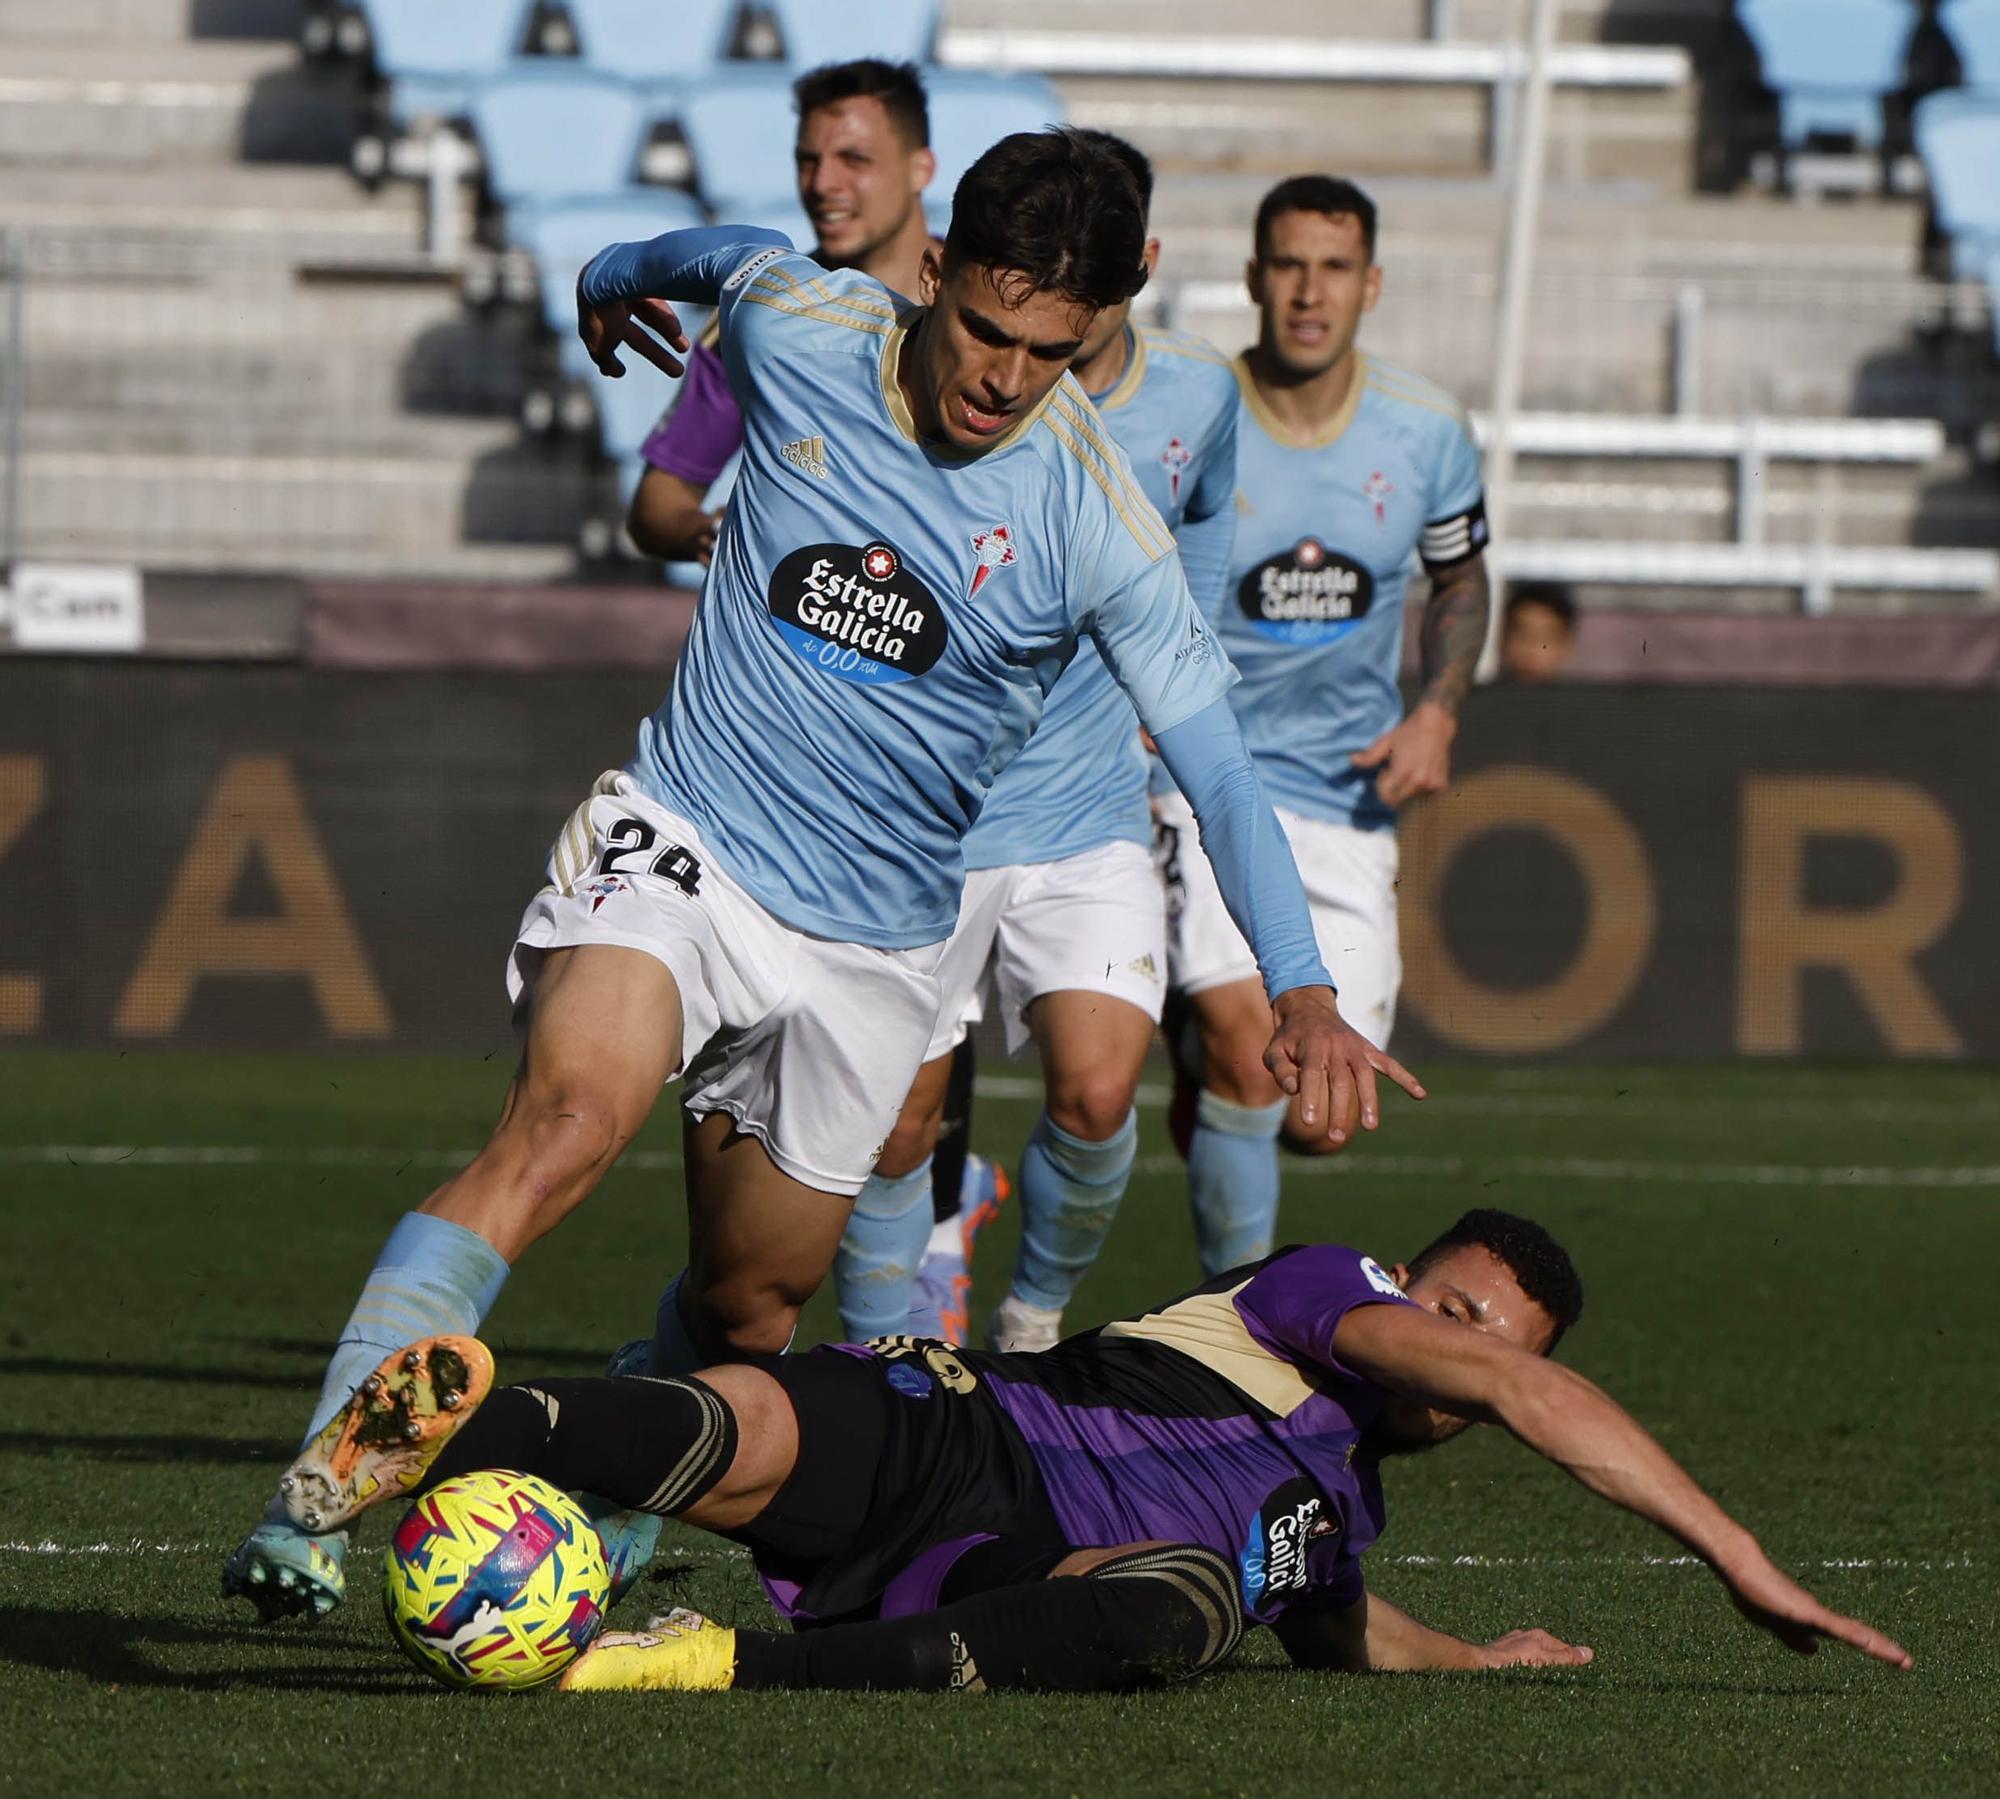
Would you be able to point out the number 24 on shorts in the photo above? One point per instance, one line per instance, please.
(630, 841)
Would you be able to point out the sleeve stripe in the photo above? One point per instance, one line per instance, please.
(878, 327)
(1146, 535)
(1157, 539)
(816, 290)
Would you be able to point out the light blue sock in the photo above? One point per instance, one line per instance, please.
(431, 1276)
(1070, 1189)
(876, 1266)
(673, 1349)
(1233, 1180)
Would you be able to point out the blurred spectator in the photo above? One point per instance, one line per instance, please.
(1537, 632)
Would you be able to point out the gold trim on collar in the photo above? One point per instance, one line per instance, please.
(1277, 430)
(1132, 379)
(905, 421)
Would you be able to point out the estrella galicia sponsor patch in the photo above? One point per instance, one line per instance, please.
(857, 614)
(1307, 594)
(1273, 1560)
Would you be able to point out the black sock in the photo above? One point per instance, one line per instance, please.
(657, 1445)
(955, 1138)
(1151, 1616)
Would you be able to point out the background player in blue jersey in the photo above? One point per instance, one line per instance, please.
(929, 519)
(1061, 900)
(1349, 472)
(1214, 1463)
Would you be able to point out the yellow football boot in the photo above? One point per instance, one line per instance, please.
(680, 1653)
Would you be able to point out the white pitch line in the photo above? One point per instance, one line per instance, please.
(1528, 1104)
(729, 1552)
(1364, 1163)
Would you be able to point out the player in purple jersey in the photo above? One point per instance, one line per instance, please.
(1116, 1510)
(864, 160)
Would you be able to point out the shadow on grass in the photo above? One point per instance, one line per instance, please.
(119, 1448)
(114, 1651)
(546, 1358)
(181, 1373)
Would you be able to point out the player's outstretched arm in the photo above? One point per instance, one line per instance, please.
(1374, 1637)
(622, 294)
(1314, 1053)
(1580, 1428)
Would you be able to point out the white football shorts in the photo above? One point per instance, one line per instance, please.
(809, 1045)
(1094, 922)
(1350, 882)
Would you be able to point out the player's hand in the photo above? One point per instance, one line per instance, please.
(624, 323)
(1773, 1601)
(1414, 757)
(1534, 1649)
(1327, 1065)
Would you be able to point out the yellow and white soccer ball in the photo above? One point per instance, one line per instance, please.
(495, 1579)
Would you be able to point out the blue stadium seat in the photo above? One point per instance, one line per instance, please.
(1974, 29)
(970, 113)
(1830, 62)
(563, 235)
(432, 52)
(1958, 136)
(549, 130)
(823, 31)
(740, 130)
(652, 40)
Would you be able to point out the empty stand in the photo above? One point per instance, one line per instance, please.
(1830, 63)
(652, 40)
(823, 31)
(738, 127)
(1973, 26)
(430, 53)
(1958, 136)
(971, 112)
(552, 131)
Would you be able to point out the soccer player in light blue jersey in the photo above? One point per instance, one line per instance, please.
(1350, 471)
(1061, 903)
(928, 521)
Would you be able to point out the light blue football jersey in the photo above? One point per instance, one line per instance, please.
(1327, 537)
(1081, 779)
(884, 618)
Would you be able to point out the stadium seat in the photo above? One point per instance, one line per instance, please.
(652, 40)
(970, 113)
(779, 215)
(739, 129)
(820, 31)
(432, 52)
(1830, 62)
(549, 130)
(1974, 29)
(1958, 137)
(563, 235)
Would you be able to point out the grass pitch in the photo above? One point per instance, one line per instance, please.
(1789, 1277)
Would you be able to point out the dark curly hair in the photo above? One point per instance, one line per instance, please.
(1051, 212)
(1533, 1257)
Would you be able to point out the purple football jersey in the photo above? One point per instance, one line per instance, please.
(696, 440)
(1224, 1418)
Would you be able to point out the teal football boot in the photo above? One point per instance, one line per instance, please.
(285, 1573)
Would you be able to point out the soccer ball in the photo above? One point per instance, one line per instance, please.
(495, 1579)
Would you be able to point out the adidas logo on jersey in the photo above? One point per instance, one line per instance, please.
(809, 455)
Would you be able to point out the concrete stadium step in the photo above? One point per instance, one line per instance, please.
(204, 217)
(1277, 128)
(70, 100)
(302, 512)
(1578, 21)
(328, 359)
(151, 21)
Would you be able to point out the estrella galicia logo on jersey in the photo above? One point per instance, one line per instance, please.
(1307, 594)
(1273, 1561)
(858, 615)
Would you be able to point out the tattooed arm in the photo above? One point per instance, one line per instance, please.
(1414, 757)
